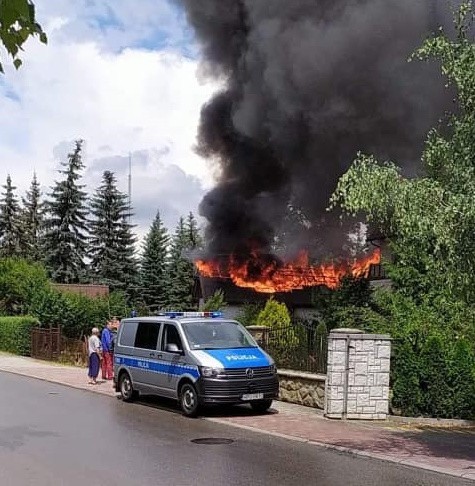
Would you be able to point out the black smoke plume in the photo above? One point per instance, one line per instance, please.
(308, 84)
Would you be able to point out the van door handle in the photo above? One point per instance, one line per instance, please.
(152, 355)
(159, 355)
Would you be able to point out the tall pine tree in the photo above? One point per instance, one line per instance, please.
(180, 268)
(9, 221)
(193, 233)
(154, 266)
(32, 222)
(112, 243)
(65, 238)
(127, 257)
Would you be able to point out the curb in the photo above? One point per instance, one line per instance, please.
(408, 462)
(433, 422)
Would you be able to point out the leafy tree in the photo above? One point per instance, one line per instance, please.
(65, 237)
(9, 221)
(32, 222)
(180, 269)
(17, 25)
(350, 305)
(111, 242)
(154, 266)
(433, 216)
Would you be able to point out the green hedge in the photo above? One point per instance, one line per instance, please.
(15, 334)
(433, 364)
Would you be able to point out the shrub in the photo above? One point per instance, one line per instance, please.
(15, 334)
(249, 313)
(274, 315)
(283, 337)
(75, 313)
(20, 281)
(433, 366)
(216, 302)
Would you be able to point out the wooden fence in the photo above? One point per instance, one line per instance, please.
(48, 343)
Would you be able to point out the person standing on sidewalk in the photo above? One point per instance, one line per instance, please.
(95, 352)
(107, 347)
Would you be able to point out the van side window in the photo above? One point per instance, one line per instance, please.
(170, 336)
(127, 333)
(147, 335)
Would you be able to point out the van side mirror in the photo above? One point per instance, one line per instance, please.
(173, 348)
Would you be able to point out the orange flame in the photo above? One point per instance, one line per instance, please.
(271, 276)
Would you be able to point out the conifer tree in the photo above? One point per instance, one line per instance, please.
(154, 266)
(65, 238)
(193, 233)
(127, 257)
(9, 221)
(180, 269)
(112, 243)
(32, 222)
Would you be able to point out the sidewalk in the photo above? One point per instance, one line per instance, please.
(449, 451)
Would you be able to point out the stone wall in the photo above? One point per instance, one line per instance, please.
(357, 385)
(303, 388)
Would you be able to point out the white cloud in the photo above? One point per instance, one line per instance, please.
(119, 99)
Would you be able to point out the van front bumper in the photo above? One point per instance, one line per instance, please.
(221, 391)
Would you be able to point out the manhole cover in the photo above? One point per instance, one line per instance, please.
(212, 441)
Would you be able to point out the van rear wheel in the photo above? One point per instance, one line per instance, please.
(261, 406)
(125, 388)
(189, 402)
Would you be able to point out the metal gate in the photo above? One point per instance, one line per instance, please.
(46, 343)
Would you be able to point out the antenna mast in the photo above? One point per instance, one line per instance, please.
(130, 185)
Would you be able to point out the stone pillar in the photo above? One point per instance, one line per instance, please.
(357, 385)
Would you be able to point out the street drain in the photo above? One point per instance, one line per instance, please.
(212, 441)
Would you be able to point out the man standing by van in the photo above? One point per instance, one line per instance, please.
(107, 343)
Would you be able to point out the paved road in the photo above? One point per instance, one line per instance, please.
(53, 435)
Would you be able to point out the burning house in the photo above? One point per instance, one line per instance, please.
(306, 85)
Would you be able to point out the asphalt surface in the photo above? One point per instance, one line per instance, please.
(54, 435)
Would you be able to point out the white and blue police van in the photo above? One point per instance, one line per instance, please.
(197, 358)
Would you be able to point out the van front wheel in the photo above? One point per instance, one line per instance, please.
(261, 406)
(189, 400)
(125, 388)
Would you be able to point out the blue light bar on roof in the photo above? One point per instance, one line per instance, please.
(173, 314)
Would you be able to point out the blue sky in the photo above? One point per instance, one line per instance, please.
(122, 75)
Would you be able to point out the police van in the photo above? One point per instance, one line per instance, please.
(197, 358)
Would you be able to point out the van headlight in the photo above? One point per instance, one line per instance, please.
(208, 372)
(273, 368)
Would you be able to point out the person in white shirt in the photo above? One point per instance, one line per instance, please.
(95, 351)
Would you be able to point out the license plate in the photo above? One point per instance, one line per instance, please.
(253, 396)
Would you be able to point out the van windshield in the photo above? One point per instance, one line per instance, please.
(217, 335)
